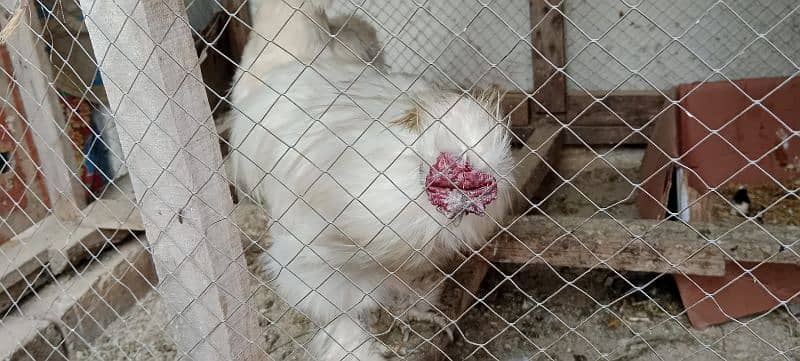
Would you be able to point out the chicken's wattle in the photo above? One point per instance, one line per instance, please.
(457, 189)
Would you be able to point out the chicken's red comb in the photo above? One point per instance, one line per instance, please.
(455, 188)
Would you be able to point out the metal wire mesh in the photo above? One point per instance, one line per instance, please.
(380, 210)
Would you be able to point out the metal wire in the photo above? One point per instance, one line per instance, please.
(611, 47)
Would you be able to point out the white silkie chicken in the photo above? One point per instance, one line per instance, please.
(371, 180)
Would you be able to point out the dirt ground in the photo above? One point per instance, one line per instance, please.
(531, 312)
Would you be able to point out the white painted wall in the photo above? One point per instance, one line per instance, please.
(462, 37)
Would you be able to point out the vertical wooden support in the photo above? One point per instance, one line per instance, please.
(45, 115)
(548, 43)
(151, 72)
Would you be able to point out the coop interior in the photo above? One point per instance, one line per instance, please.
(655, 212)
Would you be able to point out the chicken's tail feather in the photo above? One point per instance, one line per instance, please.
(284, 32)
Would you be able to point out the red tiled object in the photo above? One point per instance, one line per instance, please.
(740, 298)
(751, 129)
(746, 128)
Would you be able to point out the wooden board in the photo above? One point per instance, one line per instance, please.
(574, 242)
(85, 304)
(664, 247)
(23, 194)
(53, 246)
(516, 106)
(604, 135)
(114, 214)
(597, 118)
(628, 108)
(21, 270)
(656, 171)
(548, 53)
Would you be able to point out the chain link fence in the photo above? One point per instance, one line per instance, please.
(424, 180)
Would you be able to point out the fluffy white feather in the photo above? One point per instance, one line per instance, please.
(339, 152)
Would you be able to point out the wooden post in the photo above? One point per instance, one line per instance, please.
(44, 114)
(548, 44)
(151, 72)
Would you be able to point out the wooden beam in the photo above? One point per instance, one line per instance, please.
(25, 200)
(591, 118)
(53, 246)
(22, 269)
(44, 115)
(575, 242)
(634, 108)
(548, 54)
(515, 106)
(668, 247)
(85, 305)
(170, 141)
(534, 161)
(604, 135)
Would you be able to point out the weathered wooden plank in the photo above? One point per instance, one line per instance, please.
(53, 246)
(516, 106)
(25, 199)
(113, 214)
(604, 135)
(592, 121)
(173, 155)
(534, 161)
(44, 116)
(101, 294)
(85, 304)
(575, 242)
(520, 134)
(31, 340)
(636, 108)
(22, 268)
(670, 247)
(548, 54)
